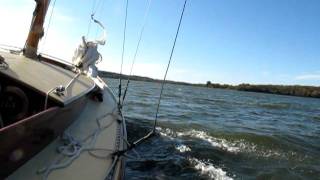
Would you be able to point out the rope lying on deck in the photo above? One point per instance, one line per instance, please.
(72, 147)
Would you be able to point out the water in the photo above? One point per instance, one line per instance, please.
(222, 134)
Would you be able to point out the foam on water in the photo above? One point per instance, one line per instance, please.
(208, 169)
(183, 148)
(235, 146)
(166, 132)
(220, 143)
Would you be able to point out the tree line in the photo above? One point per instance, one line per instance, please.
(293, 90)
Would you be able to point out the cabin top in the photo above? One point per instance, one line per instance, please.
(42, 77)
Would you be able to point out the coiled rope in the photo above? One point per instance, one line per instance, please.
(72, 148)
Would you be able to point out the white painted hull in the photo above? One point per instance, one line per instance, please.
(85, 166)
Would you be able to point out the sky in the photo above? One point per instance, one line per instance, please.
(222, 41)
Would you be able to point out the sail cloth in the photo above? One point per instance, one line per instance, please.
(87, 55)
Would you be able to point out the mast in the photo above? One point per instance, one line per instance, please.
(36, 29)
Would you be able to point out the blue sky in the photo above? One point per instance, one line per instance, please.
(224, 41)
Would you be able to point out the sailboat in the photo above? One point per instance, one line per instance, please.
(58, 120)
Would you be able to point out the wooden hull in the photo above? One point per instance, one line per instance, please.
(22, 140)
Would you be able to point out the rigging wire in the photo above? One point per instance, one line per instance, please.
(48, 26)
(152, 132)
(98, 11)
(165, 75)
(137, 48)
(122, 56)
(97, 6)
(92, 10)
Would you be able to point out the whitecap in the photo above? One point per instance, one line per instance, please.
(236, 146)
(166, 132)
(215, 142)
(209, 170)
(183, 148)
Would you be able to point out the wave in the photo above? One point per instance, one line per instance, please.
(215, 142)
(316, 117)
(205, 168)
(230, 146)
(223, 144)
(182, 148)
(220, 143)
(209, 169)
(166, 132)
(274, 105)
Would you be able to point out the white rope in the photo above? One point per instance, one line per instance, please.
(72, 147)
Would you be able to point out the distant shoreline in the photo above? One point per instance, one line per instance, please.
(291, 90)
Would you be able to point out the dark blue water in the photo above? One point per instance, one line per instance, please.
(222, 134)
